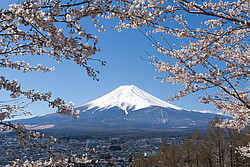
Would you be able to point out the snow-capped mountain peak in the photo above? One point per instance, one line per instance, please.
(125, 108)
(128, 97)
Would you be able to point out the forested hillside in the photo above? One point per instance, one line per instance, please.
(218, 148)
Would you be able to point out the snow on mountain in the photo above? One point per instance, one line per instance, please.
(128, 97)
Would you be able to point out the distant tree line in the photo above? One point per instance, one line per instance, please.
(218, 148)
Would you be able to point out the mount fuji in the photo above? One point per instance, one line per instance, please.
(125, 108)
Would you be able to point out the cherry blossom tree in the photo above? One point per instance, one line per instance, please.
(212, 55)
(46, 28)
(216, 56)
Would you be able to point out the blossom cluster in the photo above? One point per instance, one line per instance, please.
(58, 161)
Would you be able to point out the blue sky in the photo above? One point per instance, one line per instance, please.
(121, 50)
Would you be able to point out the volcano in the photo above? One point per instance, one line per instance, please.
(125, 108)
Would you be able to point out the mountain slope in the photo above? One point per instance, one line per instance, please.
(126, 108)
